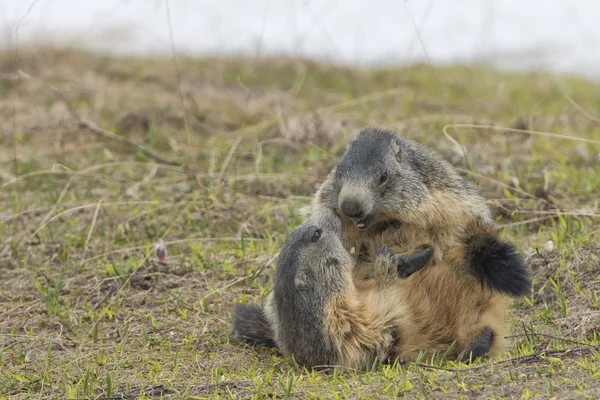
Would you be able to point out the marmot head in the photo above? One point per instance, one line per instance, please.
(379, 174)
(312, 268)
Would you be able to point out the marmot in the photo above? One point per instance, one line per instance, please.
(316, 313)
(393, 191)
(449, 311)
(395, 187)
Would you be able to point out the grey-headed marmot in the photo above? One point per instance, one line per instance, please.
(318, 314)
(397, 188)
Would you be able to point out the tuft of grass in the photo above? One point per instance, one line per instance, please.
(86, 311)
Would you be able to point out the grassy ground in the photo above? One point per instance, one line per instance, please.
(86, 312)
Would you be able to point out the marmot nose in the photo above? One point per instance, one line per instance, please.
(351, 208)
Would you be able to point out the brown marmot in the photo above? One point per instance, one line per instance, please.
(317, 314)
(393, 191)
(390, 186)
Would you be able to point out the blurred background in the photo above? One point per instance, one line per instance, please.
(555, 35)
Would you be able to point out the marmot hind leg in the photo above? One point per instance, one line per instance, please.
(478, 347)
(482, 329)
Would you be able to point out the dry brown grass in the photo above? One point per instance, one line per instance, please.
(86, 311)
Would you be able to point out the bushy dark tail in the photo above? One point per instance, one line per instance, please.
(250, 324)
(496, 263)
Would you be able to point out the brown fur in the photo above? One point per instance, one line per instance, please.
(441, 303)
(446, 303)
(441, 223)
(386, 318)
(371, 315)
(436, 307)
(359, 335)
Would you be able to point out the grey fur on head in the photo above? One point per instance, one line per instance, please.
(312, 266)
(382, 173)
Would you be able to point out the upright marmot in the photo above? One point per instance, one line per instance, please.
(392, 186)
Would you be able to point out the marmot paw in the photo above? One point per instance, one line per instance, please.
(409, 264)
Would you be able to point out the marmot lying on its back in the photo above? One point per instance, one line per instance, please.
(316, 313)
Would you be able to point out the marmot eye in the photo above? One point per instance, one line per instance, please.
(316, 235)
(383, 178)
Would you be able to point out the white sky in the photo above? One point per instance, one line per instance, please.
(552, 34)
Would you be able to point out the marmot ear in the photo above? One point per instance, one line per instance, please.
(397, 149)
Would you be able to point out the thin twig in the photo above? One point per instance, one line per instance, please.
(58, 169)
(7, 176)
(527, 221)
(546, 262)
(580, 109)
(524, 131)
(267, 123)
(199, 239)
(83, 207)
(106, 296)
(228, 158)
(94, 128)
(46, 219)
(153, 391)
(176, 64)
(22, 20)
(558, 213)
(547, 336)
(89, 236)
(501, 184)
(520, 359)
